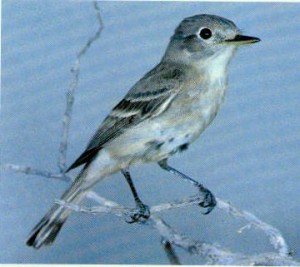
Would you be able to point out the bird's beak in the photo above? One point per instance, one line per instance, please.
(242, 39)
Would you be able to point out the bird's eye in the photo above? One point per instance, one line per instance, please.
(205, 33)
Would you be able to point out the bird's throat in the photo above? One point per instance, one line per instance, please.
(215, 67)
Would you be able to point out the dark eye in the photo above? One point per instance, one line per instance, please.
(205, 33)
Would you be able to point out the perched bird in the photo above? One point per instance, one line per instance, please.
(162, 114)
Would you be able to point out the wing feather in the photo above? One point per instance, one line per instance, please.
(148, 98)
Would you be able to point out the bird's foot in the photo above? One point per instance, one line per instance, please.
(140, 214)
(209, 201)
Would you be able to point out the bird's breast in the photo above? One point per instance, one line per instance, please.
(186, 118)
(199, 106)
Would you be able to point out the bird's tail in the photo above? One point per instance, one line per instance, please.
(45, 232)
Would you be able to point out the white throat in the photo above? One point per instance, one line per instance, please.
(216, 66)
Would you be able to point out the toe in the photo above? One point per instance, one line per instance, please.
(139, 215)
(209, 201)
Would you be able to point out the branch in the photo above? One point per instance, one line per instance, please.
(214, 254)
(71, 91)
(33, 171)
(211, 253)
(275, 237)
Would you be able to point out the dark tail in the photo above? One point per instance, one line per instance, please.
(47, 229)
(45, 232)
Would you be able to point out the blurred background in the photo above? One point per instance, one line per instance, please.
(249, 155)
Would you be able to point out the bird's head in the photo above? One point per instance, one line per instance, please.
(203, 37)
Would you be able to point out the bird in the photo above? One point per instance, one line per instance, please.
(160, 116)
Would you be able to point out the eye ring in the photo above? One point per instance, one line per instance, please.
(205, 33)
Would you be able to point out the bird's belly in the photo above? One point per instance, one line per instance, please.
(178, 137)
(176, 133)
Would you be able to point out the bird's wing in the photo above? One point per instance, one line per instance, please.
(146, 99)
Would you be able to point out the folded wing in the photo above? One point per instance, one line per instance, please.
(148, 98)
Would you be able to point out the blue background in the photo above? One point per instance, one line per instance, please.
(249, 155)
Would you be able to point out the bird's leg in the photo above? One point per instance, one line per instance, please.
(142, 211)
(208, 201)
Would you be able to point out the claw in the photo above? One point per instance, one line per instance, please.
(209, 201)
(140, 214)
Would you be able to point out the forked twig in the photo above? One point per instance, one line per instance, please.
(34, 171)
(212, 254)
(62, 156)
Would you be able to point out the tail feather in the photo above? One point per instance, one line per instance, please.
(48, 238)
(45, 232)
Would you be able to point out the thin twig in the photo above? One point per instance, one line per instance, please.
(167, 246)
(275, 237)
(213, 254)
(62, 156)
(33, 171)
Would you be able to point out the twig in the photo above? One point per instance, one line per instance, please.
(62, 156)
(213, 254)
(119, 211)
(33, 171)
(276, 239)
(173, 259)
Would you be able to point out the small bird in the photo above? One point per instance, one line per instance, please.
(161, 115)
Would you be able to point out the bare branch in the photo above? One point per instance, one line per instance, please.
(33, 171)
(62, 156)
(213, 254)
(276, 239)
(119, 211)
